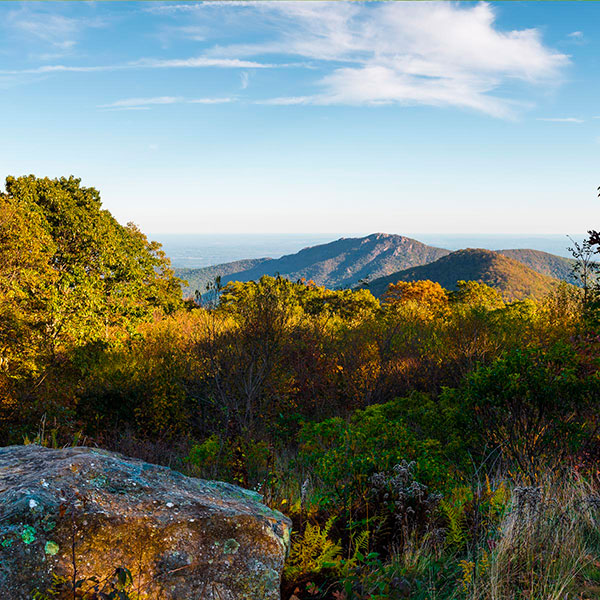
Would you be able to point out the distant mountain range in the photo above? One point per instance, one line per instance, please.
(382, 258)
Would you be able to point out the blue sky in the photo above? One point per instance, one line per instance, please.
(311, 117)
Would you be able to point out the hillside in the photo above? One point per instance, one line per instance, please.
(544, 262)
(342, 263)
(512, 278)
(198, 279)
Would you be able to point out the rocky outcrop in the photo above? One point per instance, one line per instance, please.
(86, 515)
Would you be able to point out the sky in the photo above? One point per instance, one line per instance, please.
(290, 117)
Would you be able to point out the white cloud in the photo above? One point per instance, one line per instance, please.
(405, 52)
(60, 69)
(146, 103)
(133, 102)
(562, 120)
(147, 63)
(288, 101)
(211, 101)
(50, 28)
(577, 38)
(173, 8)
(431, 53)
(60, 32)
(199, 61)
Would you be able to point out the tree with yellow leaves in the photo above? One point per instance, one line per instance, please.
(425, 292)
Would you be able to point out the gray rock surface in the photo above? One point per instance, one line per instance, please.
(84, 512)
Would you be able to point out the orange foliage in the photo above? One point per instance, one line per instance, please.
(425, 292)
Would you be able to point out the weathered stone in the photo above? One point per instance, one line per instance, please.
(181, 538)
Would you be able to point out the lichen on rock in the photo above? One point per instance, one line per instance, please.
(180, 537)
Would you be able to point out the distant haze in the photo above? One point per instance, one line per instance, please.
(202, 250)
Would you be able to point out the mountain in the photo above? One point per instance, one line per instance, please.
(545, 263)
(198, 279)
(342, 263)
(509, 276)
(345, 262)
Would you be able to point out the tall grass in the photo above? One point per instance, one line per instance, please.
(548, 546)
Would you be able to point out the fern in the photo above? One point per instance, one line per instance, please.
(498, 497)
(360, 542)
(455, 513)
(312, 552)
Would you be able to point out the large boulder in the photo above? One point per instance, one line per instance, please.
(82, 514)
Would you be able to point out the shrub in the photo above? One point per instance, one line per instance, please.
(404, 506)
(534, 404)
(344, 454)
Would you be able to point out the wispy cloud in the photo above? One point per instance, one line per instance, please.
(147, 63)
(442, 54)
(289, 100)
(174, 8)
(60, 69)
(562, 120)
(146, 103)
(59, 32)
(438, 54)
(576, 38)
(199, 61)
(136, 102)
(211, 101)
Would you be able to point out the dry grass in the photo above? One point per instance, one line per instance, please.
(548, 546)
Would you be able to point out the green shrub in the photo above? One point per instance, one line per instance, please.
(343, 455)
(535, 404)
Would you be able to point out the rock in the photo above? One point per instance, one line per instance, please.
(181, 538)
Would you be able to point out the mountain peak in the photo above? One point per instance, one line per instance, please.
(341, 263)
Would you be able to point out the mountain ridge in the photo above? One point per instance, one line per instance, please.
(341, 263)
(512, 278)
(348, 261)
(544, 262)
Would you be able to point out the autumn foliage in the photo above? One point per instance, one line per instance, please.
(396, 434)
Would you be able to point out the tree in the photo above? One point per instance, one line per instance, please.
(244, 347)
(428, 294)
(97, 274)
(476, 294)
(71, 277)
(26, 281)
(585, 269)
